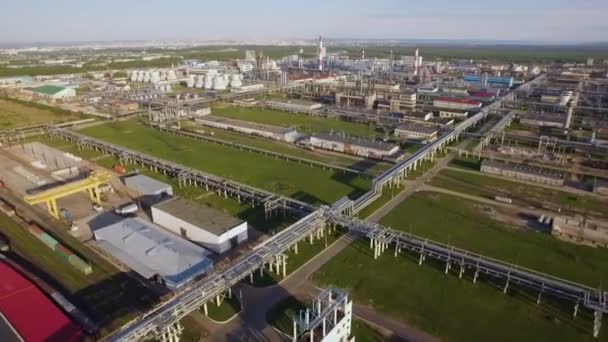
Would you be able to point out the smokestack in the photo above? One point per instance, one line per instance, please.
(416, 63)
(320, 53)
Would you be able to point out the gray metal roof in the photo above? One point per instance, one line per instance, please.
(244, 124)
(146, 185)
(7, 331)
(149, 250)
(204, 217)
(355, 141)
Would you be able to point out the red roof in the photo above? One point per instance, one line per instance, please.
(31, 313)
(458, 100)
(483, 94)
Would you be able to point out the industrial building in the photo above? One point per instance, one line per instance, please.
(293, 105)
(523, 172)
(246, 127)
(146, 186)
(417, 115)
(152, 252)
(489, 81)
(26, 314)
(53, 92)
(585, 231)
(208, 227)
(417, 131)
(403, 102)
(355, 146)
(456, 103)
(453, 113)
(355, 99)
(543, 119)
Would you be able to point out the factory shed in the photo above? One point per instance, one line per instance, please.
(152, 252)
(54, 92)
(28, 315)
(355, 146)
(145, 185)
(252, 128)
(209, 227)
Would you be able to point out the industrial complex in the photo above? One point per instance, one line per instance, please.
(164, 197)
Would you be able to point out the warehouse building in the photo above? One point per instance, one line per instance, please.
(403, 102)
(294, 105)
(456, 103)
(523, 172)
(53, 92)
(355, 146)
(416, 131)
(414, 115)
(146, 186)
(208, 227)
(543, 120)
(152, 252)
(26, 314)
(246, 127)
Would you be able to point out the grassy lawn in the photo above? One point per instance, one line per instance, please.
(466, 163)
(15, 114)
(460, 223)
(227, 309)
(193, 332)
(301, 122)
(387, 194)
(306, 251)
(281, 317)
(365, 165)
(488, 187)
(108, 296)
(452, 309)
(306, 183)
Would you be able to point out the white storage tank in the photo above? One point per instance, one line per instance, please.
(219, 83)
(134, 75)
(199, 82)
(171, 75)
(140, 76)
(190, 82)
(167, 88)
(208, 81)
(235, 81)
(155, 76)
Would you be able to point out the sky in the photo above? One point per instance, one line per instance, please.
(551, 21)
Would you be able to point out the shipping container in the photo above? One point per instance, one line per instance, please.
(503, 199)
(78, 263)
(34, 229)
(48, 240)
(63, 251)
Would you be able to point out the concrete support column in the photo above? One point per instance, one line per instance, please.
(597, 323)
(206, 309)
(575, 310)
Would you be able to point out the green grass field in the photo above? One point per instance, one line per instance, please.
(15, 114)
(452, 309)
(281, 317)
(461, 223)
(227, 309)
(364, 165)
(302, 123)
(306, 183)
(521, 193)
(443, 304)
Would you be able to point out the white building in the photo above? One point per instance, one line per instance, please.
(203, 225)
(251, 128)
(144, 185)
(355, 146)
(416, 131)
(294, 105)
(456, 103)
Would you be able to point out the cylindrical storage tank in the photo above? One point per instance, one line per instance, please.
(199, 82)
(171, 75)
(208, 81)
(146, 77)
(219, 83)
(155, 77)
(134, 75)
(235, 81)
(140, 76)
(190, 82)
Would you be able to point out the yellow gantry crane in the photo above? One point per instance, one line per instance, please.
(90, 185)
